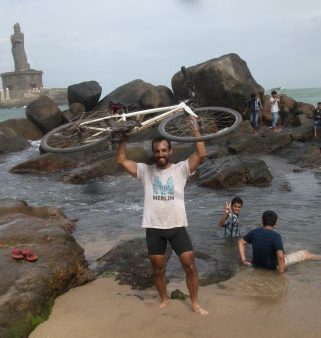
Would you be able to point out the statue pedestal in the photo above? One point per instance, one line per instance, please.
(21, 82)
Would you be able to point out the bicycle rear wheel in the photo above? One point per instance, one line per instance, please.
(213, 122)
(73, 137)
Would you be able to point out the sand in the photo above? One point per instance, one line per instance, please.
(253, 304)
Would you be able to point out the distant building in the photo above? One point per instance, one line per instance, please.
(23, 79)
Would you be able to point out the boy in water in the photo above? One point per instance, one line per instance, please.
(267, 247)
(230, 218)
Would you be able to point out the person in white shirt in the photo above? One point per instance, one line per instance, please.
(164, 216)
(274, 101)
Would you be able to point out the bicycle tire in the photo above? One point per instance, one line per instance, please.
(213, 122)
(50, 142)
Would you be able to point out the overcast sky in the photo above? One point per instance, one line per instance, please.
(116, 41)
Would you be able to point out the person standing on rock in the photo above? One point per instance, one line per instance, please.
(255, 108)
(274, 101)
(317, 119)
(164, 215)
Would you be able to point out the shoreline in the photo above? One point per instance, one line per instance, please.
(239, 307)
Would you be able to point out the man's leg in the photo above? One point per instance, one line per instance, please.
(187, 260)
(311, 256)
(159, 267)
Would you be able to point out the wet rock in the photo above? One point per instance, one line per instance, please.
(302, 133)
(107, 166)
(28, 290)
(44, 113)
(27, 129)
(233, 171)
(46, 163)
(302, 154)
(131, 262)
(273, 141)
(10, 141)
(284, 186)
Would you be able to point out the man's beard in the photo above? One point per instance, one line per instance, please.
(162, 162)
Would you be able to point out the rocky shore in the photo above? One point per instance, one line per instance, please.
(28, 289)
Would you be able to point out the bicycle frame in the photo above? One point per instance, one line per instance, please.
(169, 110)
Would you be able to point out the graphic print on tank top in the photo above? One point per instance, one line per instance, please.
(163, 191)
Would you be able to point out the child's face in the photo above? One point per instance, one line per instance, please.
(236, 207)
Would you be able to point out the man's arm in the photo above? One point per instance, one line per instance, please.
(198, 156)
(241, 244)
(128, 165)
(281, 261)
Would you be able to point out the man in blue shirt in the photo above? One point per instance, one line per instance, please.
(267, 247)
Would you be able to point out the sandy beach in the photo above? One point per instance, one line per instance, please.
(252, 304)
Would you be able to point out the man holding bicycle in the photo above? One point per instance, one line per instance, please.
(164, 212)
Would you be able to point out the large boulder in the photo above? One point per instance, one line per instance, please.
(225, 81)
(46, 163)
(23, 127)
(10, 141)
(233, 171)
(143, 95)
(28, 290)
(130, 262)
(304, 108)
(44, 113)
(303, 154)
(86, 93)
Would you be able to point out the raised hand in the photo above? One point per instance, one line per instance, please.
(227, 207)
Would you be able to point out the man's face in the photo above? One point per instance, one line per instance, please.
(161, 154)
(236, 207)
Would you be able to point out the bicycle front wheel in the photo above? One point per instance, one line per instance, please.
(213, 122)
(73, 137)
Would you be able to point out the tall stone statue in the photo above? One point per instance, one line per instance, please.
(18, 50)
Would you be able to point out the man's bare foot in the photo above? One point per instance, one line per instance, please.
(198, 309)
(164, 303)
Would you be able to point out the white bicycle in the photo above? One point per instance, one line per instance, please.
(174, 123)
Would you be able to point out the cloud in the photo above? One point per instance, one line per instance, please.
(114, 42)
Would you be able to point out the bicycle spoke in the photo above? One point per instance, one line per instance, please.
(212, 122)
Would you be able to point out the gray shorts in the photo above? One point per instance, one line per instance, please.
(157, 240)
(294, 257)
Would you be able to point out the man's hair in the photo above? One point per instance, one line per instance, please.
(269, 217)
(160, 139)
(319, 103)
(273, 92)
(237, 200)
(253, 95)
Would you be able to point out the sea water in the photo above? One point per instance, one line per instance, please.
(110, 209)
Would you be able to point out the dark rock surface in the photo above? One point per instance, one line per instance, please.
(27, 129)
(44, 113)
(225, 82)
(233, 171)
(130, 262)
(11, 141)
(46, 163)
(86, 93)
(144, 95)
(28, 290)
